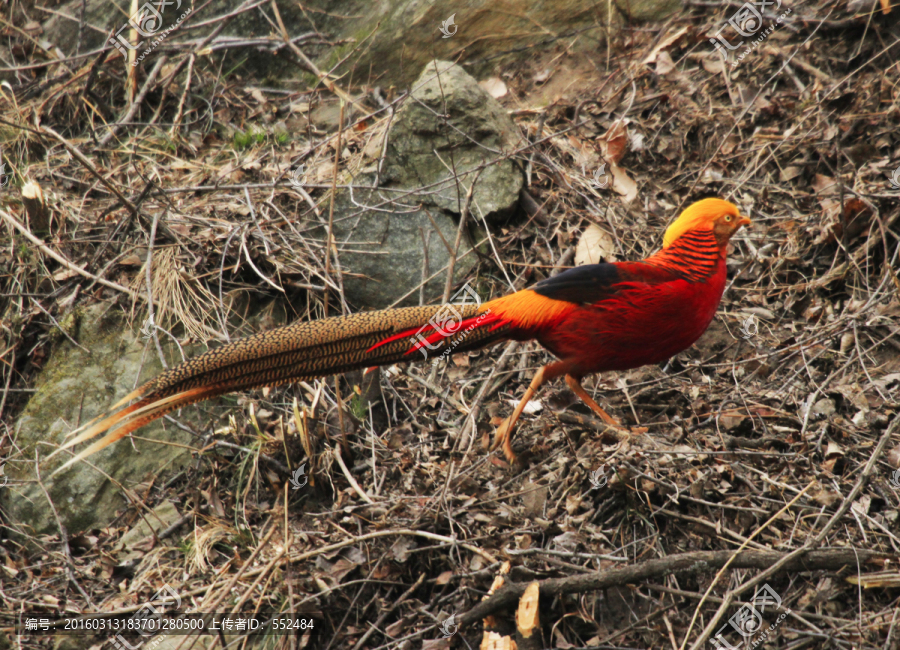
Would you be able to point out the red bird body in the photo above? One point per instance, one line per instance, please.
(644, 315)
(594, 318)
(619, 315)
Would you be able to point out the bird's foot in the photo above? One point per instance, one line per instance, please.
(624, 434)
(503, 439)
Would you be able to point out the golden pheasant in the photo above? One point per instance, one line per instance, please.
(597, 317)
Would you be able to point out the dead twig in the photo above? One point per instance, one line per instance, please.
(701, 561)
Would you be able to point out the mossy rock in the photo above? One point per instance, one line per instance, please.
(75, 386)
(394, 39)
(421, 192)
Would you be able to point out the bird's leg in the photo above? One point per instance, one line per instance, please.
(503, 434)
(578, 389)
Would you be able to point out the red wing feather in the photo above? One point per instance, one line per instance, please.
(432, 334)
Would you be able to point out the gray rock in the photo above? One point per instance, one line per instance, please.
(448, 123)
(382, 252)
(160, 518)
(73, 387)
(400, 36)
(103, 19)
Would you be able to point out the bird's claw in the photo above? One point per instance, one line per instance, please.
(502, 439)
(624, 434)
(500, 434)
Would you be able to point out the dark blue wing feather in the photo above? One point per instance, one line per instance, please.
(593, 283)
(582, 285)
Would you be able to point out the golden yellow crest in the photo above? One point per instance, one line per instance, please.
(701, 213)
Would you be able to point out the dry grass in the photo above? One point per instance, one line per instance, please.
(180, 299)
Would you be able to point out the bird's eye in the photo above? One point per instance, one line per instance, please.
(728, 218)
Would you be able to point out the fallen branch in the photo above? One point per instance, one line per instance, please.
(701, 561)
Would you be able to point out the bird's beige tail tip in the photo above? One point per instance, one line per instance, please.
(119, 423)
(93, 449)
(96, 426)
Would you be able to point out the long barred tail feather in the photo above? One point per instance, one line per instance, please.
(301, 351)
